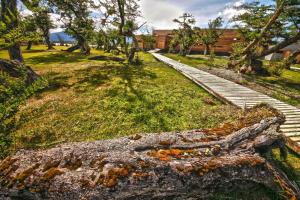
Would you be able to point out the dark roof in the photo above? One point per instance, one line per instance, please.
(292, 47)
(162, 32)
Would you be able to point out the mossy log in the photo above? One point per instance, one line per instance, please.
(18, 70)
(183, 165)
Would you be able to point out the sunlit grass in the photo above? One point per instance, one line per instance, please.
(91, 100)
(199, 60)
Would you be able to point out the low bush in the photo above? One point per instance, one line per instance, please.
(276, 68)
(13, 92)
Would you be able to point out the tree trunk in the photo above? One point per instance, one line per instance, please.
(207, 49)
(133, 49)
(251, 65)
(247, 51)
(276, 48)
(48, 42)
(85, 48)
(29, 45)
(9, 9)
(187, 165)
(15, 53)
(279, 46)
(73, 48)
(16, 69)
(82, 44)
(273, 19)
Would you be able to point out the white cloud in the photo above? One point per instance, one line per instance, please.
(160, 14)
(229, 12)
(58, 23)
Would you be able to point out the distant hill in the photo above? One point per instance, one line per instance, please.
(54, 37)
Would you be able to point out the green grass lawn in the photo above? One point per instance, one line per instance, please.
(199, 60)
(287, 82)
(90, 100)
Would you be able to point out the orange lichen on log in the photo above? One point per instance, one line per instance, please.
(220, 162)
(249, 118)
(112, 176)
(20, 177)
(6, 163)
(26, 173)
(51, 164)
(139, 175)
(166, 155)
(51, 173)
(284, 186)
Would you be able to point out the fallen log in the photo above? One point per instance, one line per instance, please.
(183, 165)
(17, 70)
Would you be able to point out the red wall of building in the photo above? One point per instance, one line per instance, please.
(286, 54)
(224, 45)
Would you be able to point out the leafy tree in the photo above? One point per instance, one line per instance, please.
(148, 41)
(99, 39)
(12, 32)
(184, 37)
(12, 29)
(30, 30)
(262, 26)
(77, 21)
(122, 14)
(210, 36)
(44, 24)
(112, 40)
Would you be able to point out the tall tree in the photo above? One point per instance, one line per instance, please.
(77, 21)
(11, 21)
(210, 36)
(30, 30)
(262, 26)
(184, 36)
(122, 14)
(44, 24)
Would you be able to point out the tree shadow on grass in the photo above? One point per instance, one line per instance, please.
(35, 51)
(129, 75)
(94, 76)
(285, 83)
(57, 57)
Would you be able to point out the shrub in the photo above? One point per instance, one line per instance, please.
(13, 92)
(276, 68)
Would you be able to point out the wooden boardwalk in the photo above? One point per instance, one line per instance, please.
(295, 69)
(241, 96)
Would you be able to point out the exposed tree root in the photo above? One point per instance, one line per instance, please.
(17, 69)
